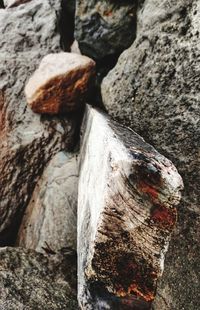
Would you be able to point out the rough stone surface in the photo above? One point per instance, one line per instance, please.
(13, 3)
(155, 89)
(104, 28)
(29, 280)
(60, 84)
(126, 213)
(50, 218)
(27, 141)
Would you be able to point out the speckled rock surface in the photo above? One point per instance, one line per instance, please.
(30, 280)
(155, 89)
(104, 28)
(50, 218)
(27, 142)
(13, 3)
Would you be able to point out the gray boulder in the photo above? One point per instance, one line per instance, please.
(30, 280)
(154, 89)
(50, 218)
(27, 141)
(103, 28)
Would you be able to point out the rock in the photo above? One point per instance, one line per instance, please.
(126, 213)
(13, 3)
(27, 141)
(60, 84)
(103, 28)
(50, 218)
(75, 48)
(29, 280)
(155, 89)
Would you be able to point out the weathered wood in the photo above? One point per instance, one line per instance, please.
(126, 213)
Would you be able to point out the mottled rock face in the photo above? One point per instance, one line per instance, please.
(27, 142)
(30, 280)
(126, 212)
(13, 3)
(60, 84)
(104, 28)
(155, 89)
(50, 218)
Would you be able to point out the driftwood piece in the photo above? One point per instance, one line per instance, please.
(126, 213)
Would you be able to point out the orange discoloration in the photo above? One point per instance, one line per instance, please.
(133, 289)
(164, 217)
(108, 13)
(147, 189)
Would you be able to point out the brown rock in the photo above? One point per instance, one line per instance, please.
(60, 84)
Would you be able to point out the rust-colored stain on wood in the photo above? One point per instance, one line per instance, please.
(147, 189)
(163, 217)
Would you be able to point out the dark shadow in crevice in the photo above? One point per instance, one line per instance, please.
(67, 24)
(106, 64)
(103, 66)
(2, 4)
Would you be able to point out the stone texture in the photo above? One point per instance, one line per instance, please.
(13, 3)
(27, 141)
(50, 218)
(126, 213)
(29, 280)
(60, 84)
(155, 89)
(104, 28)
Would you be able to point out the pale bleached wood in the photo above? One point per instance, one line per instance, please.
(126, 213)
